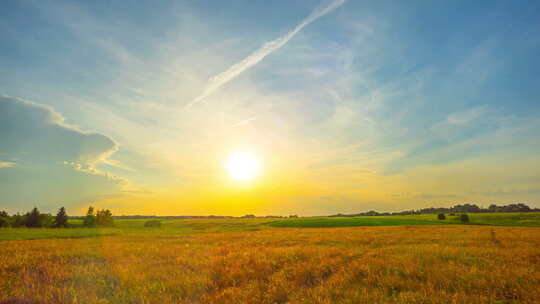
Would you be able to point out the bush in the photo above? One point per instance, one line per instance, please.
(464, 218)
(441, 216)
(152, 224)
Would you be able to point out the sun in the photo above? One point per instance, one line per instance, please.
(243, 165)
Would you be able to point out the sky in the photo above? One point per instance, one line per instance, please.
(348, 106)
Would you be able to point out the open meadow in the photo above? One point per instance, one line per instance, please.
(257, 261)
(270, 152)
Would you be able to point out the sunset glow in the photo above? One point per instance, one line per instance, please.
(243, 165)
(268, 107)
(293, 152)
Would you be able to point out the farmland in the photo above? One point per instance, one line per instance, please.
(136, 227)
(531, 219)
(263, 261)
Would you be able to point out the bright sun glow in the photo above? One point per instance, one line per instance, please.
(243, 166)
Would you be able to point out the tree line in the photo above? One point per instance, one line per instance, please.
(465, 208)
(36, 219)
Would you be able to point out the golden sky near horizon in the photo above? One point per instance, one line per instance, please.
(242, 107)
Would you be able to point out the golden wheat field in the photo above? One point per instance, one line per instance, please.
(405, 264)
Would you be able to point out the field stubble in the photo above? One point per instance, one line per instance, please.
(406, 264)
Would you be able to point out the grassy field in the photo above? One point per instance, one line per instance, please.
(356, 221)
(136, 227)
(531, 219)
(385, 264)
(398, 259)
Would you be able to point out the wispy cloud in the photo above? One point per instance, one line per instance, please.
(269, 47)
(117, 164)
(245, 121)
(463, 118)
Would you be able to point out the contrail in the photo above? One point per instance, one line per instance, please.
(269, 47)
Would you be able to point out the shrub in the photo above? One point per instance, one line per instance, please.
(464, 218)
(152, 224)
(441, 216)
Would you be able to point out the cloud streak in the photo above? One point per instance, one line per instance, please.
(266, 49)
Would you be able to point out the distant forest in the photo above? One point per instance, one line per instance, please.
(104, 217)
(465, 208)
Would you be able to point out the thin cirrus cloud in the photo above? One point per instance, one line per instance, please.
(268, 48)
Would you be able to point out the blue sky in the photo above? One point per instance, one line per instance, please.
(385, 105)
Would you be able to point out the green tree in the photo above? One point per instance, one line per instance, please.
(90, 218)
(4, 219)
(46, 220)
(17, 220)
(4, 222)
(61, 218)
(441, 216)
(34, 219)
(464, 218)
(104, 218)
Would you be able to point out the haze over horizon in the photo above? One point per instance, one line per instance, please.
(306, 107)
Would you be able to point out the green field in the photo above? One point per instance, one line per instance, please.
(531, 219)
(136, 227)
(355, 221)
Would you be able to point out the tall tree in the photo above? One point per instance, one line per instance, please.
(90, 219)
(61, 218)
(33, 218)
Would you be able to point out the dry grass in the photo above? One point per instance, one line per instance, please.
(419, 264)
